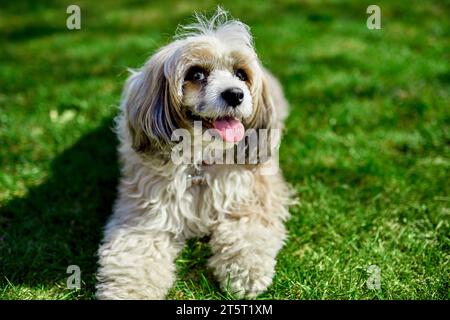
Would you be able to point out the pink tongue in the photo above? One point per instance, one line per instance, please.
(230, 129)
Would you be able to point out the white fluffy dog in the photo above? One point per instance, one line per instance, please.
(211, 74)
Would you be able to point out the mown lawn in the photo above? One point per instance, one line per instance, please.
(367, 145)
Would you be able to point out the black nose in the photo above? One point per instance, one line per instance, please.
(233, 96)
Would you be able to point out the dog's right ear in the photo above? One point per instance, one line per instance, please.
(131, 106)
(151, 107)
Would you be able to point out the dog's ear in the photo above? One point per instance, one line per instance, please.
(152, 107)
(263, 113)
(264, 120)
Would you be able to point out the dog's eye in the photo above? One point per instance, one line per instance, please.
(240, 73)
(196, 74)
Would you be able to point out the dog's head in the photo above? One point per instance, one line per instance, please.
(211, 74)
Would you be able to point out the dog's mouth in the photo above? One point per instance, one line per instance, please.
(229, 128)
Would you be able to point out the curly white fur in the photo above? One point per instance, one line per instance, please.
(157, 209)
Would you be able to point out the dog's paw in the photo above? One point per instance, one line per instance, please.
(243, 279)
(247, 287)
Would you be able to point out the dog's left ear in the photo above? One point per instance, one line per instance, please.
(267, 115)
(152, 104)
(263, 113)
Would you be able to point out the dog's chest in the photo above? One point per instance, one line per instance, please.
(210, 194)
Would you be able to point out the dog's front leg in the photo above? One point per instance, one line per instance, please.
(135, 263)
(244, 253)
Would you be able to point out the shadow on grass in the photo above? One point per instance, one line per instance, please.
(59, 223)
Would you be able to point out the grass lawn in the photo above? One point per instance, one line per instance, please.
(367, 144)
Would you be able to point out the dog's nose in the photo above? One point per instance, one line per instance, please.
(233, 96)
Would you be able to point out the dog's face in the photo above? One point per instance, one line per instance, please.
(218, 85)
(212, 75)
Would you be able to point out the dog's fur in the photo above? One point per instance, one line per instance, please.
(241, 209)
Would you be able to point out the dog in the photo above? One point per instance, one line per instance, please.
(209, 74)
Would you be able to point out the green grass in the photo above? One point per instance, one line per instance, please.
(367, 145)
